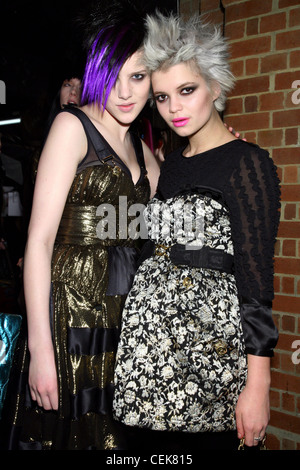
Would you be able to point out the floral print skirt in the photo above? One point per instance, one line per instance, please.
(180, 363)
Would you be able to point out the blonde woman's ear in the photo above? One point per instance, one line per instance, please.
(216, 90)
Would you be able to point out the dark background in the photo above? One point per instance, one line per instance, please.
(39, 44)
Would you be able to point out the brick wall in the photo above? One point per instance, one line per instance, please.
(265, 108)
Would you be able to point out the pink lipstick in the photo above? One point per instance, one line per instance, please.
(126, 108)
(180, 122)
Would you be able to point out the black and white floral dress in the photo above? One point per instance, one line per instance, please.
(181, 361)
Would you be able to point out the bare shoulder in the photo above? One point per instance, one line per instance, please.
(68, 121)
(66, 140)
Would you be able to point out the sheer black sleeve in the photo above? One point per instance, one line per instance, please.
(253, 197)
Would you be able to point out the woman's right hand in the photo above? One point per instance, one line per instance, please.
(65, 147)
(43, 379)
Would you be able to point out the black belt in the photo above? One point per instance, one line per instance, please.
(204, 257)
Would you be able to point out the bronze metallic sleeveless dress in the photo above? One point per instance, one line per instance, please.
(91, 275)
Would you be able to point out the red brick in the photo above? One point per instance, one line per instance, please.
(287, 40)
(237, 68)
(273, 443)
(285, 342)
(251, 103)
(271, 101)
(290, 211)
(298, 404)
(284, 81)
(251, 85)
(288, 402)
(290, 193)
(235, 30)
(289, 230)
(287, 3)
(277, 280)
(290, 174)
(289, 248)
(234, 106)
(275, 360)
(270, 138)
(188, 8)
(273, 62)
(286, 364)
(284, 303)
(248, 122)
(207, 5)
(288, 323)
(295, 59)
(286, 118)
(226, 3)
(294, 17)
(288, 285)
(250, 137)
(247, 9)
(252, 66)
(285, 382)
(250, 47)
(273, 22)
(277, 247)
(254, 58)
(288, 422)
(252, 26)
(288, 444)
(279, 172)
(274, 399)
(291, 136)
(215, 17)
(287, 156)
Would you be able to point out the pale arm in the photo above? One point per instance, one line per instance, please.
(253, 409)
(64, 148)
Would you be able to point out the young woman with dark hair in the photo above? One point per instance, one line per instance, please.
(90, 159)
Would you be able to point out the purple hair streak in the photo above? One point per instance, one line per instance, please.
(106, 57)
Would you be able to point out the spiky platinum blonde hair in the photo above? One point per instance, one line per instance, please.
(170, 40)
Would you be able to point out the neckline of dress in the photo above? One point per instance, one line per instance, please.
(121, 165)
(219, 147)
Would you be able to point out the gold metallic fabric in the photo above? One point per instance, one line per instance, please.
(80, 305)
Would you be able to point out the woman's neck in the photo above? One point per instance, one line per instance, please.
(212, 135)
(106, 123)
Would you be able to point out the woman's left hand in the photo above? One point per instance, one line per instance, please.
(253, 414)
